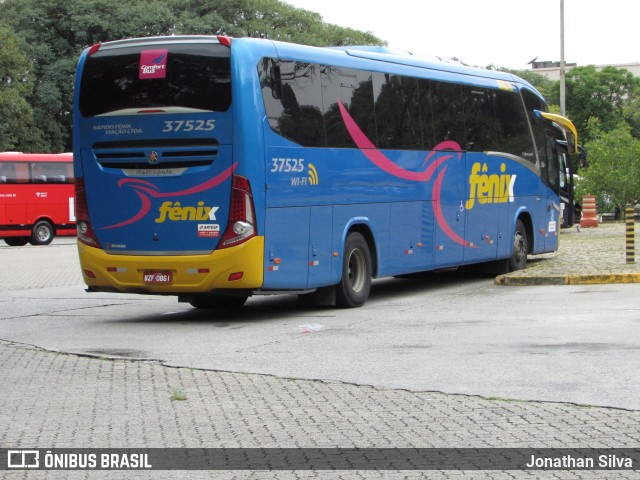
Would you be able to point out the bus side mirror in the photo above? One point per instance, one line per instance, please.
(566, 124)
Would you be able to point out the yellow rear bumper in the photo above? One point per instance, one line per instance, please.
(240, 267)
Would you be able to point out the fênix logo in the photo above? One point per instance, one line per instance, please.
(490, 188)
(153, 64)
(174, 211)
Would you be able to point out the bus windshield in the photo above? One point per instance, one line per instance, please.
(175, 78)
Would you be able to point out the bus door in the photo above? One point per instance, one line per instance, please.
(551, 177)
(14, 178)
(449, 209)
(487, 196)
(566, 184)
(569, 164)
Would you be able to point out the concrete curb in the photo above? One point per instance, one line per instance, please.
(507, 280)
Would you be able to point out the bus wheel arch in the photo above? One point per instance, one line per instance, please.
(358, 267)
(365, 231)
(42, 233)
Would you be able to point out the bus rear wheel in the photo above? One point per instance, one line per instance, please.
(353, 289)
(42, 233)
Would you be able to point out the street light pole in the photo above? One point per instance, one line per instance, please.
(562, 64)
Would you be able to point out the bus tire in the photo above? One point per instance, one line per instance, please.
(42, 233)
(353, 289)
(518, 260)
(214, 302)
(16, 241)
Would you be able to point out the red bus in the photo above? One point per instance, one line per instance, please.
(36, 197)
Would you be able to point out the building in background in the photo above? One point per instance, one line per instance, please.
(551, 70)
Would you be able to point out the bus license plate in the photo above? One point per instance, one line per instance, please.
(158, 278)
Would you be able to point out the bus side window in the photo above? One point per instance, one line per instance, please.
(398, 113)
(514, 136)
(448, 112)
(8, 172)
(532, 102)
(294, 103)
(354, 88)
(479, 119)
(38, 173)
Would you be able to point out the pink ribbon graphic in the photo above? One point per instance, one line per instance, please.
(383, 162)
(145, 189)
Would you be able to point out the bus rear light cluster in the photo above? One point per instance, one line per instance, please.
(241, 226)
(85, 232)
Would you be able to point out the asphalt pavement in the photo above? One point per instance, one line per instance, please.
(57, 400)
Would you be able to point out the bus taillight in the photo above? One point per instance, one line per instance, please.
(241, 226)
(94, 48)
(224, 40)
(83, 223)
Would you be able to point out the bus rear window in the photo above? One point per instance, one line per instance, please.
(185, 77)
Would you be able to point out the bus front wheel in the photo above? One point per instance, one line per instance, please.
(353, 289)
(42, 233)
(518, 260)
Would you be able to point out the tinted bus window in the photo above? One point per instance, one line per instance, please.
(197, 76)
(514, 136)
(398, 116)
(532, 102)
(544, 137)
(479, 119)
(293, 101)
(448, 112)
(354, 88)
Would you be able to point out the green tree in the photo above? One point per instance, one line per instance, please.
(631, 112)
(613, 174)
(44, 39)
(606, 95)
(548, 88)
(16, 86)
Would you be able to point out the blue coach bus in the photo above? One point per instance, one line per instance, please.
(215, 169)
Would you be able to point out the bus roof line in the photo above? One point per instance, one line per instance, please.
(438, 64)
(132, 42)
(385, 55)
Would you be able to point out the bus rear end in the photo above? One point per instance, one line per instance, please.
(161, 207)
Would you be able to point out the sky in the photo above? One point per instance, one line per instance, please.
(504, 33)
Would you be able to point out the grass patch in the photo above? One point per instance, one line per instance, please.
(178, 395)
